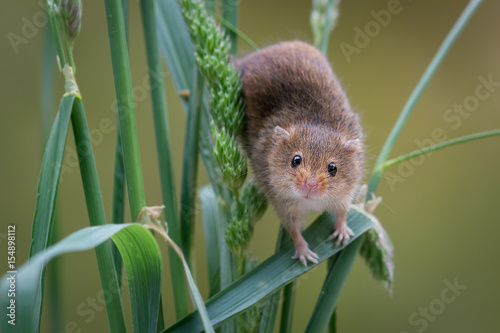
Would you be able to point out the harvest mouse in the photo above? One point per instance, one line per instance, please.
(304, 142)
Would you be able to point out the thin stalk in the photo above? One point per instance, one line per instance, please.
(332, 287)
(288, 306)
(228, 26)
(123, 87)
(95, 209)
(118, 200)
(162, 131)
(230, 15)
(441, 145)
(271, 305)
(55, 30)
(328, 23)
(332, 326)
(68, 44)
(462, 21)
(69, 52)
(125, 15)
(190, 166)
(119, 178)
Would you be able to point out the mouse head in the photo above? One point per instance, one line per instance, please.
(314, 162)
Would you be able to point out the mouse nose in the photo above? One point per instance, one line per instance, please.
(311, 184)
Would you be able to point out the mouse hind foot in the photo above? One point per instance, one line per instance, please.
(305, 254)
(342, 232)
(302, 251)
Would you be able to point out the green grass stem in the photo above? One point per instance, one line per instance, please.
(162, 132)
(332, 326)
(119, 185)
(119, 177)
(190, 166)
(69, 51)
(288, 307)
(123, 87)
(332, 287)
(462, 139)
(328, 24)
(270, 310)
(97, 216)
(244, 37)
(460, 24)
(55, 30)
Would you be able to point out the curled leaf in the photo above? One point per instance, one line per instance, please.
(377, 248)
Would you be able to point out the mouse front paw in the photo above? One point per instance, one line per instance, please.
(343, 233)
(303, 253)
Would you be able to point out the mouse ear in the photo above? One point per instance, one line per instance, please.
(353, 144)
(280, 133)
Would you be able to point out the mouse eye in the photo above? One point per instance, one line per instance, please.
(332, 169)
(296, 160)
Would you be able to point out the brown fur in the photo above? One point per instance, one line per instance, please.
(291, 85)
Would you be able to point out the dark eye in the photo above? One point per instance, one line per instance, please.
(296, 161)
(332, 169)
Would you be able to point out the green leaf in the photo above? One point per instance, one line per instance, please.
(46, 87)
(219, 258)
(48, 185)
(50, 173)
(211, 218)
(142, 261)
(216, 219)
(150, 217)
(273, 274)
(198, 300)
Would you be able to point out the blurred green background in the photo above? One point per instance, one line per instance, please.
(443, 214)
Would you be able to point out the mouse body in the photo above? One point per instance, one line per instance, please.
(304, 142)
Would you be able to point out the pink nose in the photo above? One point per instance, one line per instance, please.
(310, 184)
